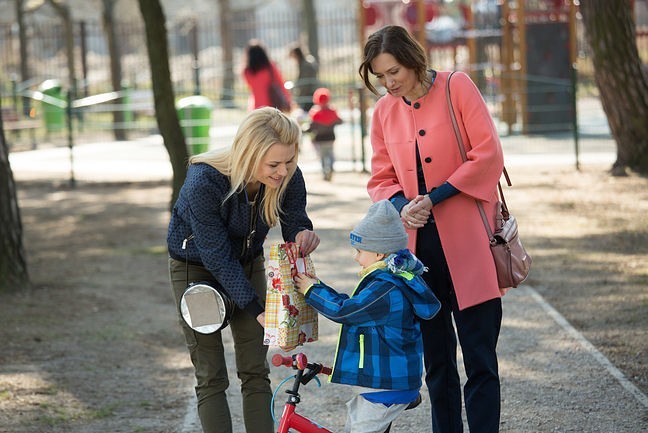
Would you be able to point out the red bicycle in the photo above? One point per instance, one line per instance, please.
(306, 372)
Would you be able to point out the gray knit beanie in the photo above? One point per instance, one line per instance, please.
(380, 231)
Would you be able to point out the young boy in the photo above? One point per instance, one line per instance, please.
(379, 346)
(323, 121)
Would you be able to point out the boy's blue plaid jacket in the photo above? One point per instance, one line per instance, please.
(380, 344)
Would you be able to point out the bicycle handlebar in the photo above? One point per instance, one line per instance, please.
(299, 362)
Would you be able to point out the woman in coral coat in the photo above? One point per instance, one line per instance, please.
(416, 164)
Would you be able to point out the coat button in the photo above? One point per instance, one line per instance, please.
(422, 132)
(417, 105)
(428, 160)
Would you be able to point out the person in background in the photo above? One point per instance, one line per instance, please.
(379, 346)
(226, 206)
(307, 80)
(324, 118)
(259, 73)
(416, 164)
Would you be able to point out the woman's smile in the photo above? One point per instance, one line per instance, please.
(275, 165)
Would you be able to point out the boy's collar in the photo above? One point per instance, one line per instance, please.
(380, 264)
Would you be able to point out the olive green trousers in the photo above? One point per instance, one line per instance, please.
(208, 357)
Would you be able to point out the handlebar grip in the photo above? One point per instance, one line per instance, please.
(278, 360)
(301, 361)
(298, 362)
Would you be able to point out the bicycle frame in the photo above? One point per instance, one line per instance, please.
(290, 419)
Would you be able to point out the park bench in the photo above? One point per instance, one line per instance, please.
(14, 124)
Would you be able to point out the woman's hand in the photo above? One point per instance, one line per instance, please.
(303, 282)
(308, 241)
(261, 319)
(415, 214)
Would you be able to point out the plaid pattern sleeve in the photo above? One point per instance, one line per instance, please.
(366, 307)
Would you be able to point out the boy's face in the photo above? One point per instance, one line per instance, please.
(367, 258)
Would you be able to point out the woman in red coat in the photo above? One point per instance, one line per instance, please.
(259, 74)
(416, 164)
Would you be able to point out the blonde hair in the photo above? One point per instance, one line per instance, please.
(260, 130)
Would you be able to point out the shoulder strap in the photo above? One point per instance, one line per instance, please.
(462, 151)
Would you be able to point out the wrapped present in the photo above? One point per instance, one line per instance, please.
(289, 321)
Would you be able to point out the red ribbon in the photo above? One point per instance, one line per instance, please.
(293, 252)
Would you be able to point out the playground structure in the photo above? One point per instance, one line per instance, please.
(521, 54)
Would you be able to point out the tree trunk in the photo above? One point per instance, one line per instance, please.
(165, 112)
(24, 58)
(64, 12)
(309, 25)
(115, 66)
(13, 266)
(621, 81)
(227, 95)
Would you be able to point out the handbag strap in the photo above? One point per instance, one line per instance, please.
(184, 247)
(464, 157)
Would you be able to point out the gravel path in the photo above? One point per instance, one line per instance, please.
(553, 380)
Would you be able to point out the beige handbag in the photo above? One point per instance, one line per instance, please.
(512, 262)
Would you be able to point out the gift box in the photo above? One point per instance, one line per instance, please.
(289, 321)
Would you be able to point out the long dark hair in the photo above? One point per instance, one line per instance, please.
(257, 57)
(397, 41)
(297, 52)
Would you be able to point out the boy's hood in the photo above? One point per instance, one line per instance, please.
(405, 270)
(419, 294)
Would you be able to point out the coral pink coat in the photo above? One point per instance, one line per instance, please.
(396, 128)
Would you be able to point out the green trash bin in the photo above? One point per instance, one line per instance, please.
(194, 113)
(53, 111)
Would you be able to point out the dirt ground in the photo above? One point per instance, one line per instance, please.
(94, 346)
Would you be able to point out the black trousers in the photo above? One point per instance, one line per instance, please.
(478, 329)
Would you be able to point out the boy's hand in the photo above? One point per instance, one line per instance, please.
(303, 282)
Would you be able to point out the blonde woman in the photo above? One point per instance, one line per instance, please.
(229, 201)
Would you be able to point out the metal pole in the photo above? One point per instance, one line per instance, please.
(68, 112)
(420, 23)
(362, 22)
(352, 127)
(523, 79)
(14, 92)
(574, 87)
(363, 126)
(574, 81)
(196, 59)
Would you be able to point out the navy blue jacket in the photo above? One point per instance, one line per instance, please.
(220, 229)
